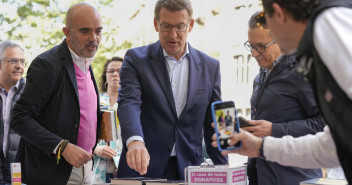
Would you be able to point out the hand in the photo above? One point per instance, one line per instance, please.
(250, 144)
(76, 156)
(262, 128)
(138, 157)
(104, 151)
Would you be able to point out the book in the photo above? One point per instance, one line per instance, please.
(324, 181)
(16, 177)
(168, 182)
(109, 125)
(134, 180)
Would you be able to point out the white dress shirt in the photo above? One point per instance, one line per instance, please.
(82, 63)
(6, 105)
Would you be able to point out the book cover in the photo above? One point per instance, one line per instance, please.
(16, 177)
(109, 126)
(134, 180)
(324, 181)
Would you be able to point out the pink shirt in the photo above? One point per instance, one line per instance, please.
(88, 110)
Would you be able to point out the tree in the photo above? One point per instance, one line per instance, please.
(37, 26)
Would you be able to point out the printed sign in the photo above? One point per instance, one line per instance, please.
(208, 177)
(238, 176)
(216, 175)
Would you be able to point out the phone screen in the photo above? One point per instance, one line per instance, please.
(225, 119)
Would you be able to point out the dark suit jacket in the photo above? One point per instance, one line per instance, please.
(147, 109)
(228, 120)
(47, 112)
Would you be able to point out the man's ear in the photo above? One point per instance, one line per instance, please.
(191, 24)
(66, 31)
(279, 13)
(156, 25)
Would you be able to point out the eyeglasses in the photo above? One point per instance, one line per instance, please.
(259, 49)
(111, 71)
(15, 61)
(168, 27)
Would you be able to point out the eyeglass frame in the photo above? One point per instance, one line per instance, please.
(173, 26)
(15, 61)
(113, 71)
(255, 47)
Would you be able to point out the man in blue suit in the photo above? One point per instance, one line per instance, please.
(164, 100)
(228, 119)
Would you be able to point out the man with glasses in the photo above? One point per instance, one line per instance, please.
(164, 100)
(282, 103)
(12, 83)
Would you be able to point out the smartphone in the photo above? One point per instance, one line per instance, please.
(225, 120)
(243, 122)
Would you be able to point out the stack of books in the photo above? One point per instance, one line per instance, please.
(145, 181)
(169, 182)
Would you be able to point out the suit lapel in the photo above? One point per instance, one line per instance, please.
(68, 64)
(157, 62)
(195, 71)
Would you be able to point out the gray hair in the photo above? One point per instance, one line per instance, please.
(7, 44)
(173, 5)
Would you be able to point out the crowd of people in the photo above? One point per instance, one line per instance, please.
(51, 122)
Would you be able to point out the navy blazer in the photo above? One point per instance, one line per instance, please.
(47, 112)
(147, 109)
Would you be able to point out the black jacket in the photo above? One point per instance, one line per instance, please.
(47, 112)
(337, 109)
(13, 139)
(286, 99)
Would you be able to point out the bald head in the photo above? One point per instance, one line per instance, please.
(83, 29)
(79, 9)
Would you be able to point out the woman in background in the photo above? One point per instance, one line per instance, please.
(108, 99)
(110, 82)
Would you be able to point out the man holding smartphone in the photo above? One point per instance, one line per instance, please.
(282, 103)
(318, 32)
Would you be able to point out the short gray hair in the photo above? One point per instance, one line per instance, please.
(173, 5)
(7, 44)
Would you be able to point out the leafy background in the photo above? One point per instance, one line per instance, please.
(37, 26)
(220, 30)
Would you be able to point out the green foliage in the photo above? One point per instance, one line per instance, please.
(38, 27)
(106, 2)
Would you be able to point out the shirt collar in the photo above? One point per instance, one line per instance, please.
(15, 86)
(276, 61)
(78, 59)
(166, 55)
